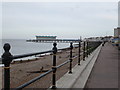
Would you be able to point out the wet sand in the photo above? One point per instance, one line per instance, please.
(20, 71)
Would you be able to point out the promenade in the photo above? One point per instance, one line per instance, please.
(105, 71)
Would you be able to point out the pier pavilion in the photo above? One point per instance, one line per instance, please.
(46, 37)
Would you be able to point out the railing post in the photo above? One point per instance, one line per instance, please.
(84, 51)
(93, 45)
(79, 52)
(71, 47)
(54, 66)
(87, 49)
(6, 60)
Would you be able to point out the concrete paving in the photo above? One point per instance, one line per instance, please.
(105, 71)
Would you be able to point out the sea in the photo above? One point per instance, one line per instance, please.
(20, 46)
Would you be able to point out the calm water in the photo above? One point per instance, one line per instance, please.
(20, 46)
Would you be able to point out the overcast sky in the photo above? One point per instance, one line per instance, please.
(25, 20)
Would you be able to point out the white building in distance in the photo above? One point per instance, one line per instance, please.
(117, 32)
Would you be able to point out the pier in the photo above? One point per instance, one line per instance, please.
(55, 40)
(52, 39)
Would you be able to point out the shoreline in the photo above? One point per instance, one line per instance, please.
(35, 58)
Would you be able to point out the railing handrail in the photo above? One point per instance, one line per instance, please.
(36, 53)
(30, 54)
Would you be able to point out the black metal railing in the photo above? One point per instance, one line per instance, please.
(84, 49)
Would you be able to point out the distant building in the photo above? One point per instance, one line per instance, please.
(106, 38)
(94, 39)
(117, 32)
(116, 39)
(45, 37)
